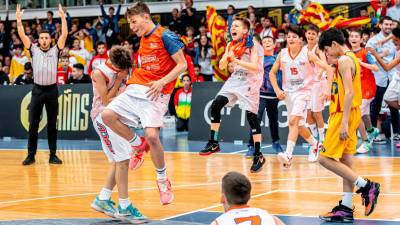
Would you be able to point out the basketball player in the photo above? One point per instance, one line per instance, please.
(297, 76)
(368, 88)
(236, 192)
(149, 88)
(341, 136)
(107, 79)
(243, 87)
(315, 121)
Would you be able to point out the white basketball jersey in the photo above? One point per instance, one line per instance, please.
(297, 71)
(245, 216)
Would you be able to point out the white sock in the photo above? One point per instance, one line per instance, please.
(311, 140)
(313, 129)
(135, 141)
(347, 199)
(124, 203)
(161, 173)
(360, 182)
(321, 132)
(290, 147)
(105, 194)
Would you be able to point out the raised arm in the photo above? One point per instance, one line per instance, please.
(103, 12)
(20, 28)
(64, 28)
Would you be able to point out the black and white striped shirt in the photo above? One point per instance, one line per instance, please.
(44, 64)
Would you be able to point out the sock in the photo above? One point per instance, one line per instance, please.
(290, 147)
(360, 182)
(347, 199)
(321, 133)
(161, 173)
(370, 130)
(214, 135)
(311, 140)
(135, 141)
(124, 203)
(313, 129)
(257, 148)
(105, 194)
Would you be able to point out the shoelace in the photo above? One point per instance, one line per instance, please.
(364, 196)
(110, 203)
(163, 185)
(135, 212)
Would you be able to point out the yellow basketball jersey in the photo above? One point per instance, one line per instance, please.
(337, 94)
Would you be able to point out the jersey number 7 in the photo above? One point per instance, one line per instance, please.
(254, 220)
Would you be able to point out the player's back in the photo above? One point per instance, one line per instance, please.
(245, 216)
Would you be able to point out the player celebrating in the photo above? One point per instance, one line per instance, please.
(236, 192)
(368, 88)
(243, 86)
(149, 88)
(341, 136)
(107, 80)
(315, 120)
(297, 75)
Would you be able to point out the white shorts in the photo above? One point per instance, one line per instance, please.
(393, 91)
(317, 103)
(296, 105)
(365, 106)
(134, 107)
(116, 148)
(239, 91)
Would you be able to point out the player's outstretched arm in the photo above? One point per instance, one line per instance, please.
(64, 27)
(385, 66)
(100, 83)
(20, 28)
(272, 77)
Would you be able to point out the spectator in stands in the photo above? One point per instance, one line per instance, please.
(2, 35)
(17, 63)
(395, 24)
(182, 99)
(80, 54)
(286, 21)
(78, 75)
(110, 23)
(86, 41)
(250, 10)
(99, 58)
(91, 32)
(98, 26)
(26, 77)
(188, 15)
(49, 24)
(176, 25)
(365, 35)
(203, 57)
(394, 11)
(202, 32)
(230, 11)
(72, 32)
(363, 11)
(6, 70)
(267, 28)
(7, 61)
(4, 80)
(64, 71)
(188, 40)
(198, 76)
(255, 26)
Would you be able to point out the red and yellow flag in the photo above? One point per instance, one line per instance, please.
(217, 27)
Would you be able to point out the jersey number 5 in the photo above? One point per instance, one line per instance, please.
(294, 71)
(254, 220)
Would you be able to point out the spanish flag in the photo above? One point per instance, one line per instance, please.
(217, 27)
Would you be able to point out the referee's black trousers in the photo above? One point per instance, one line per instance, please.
(43, 96)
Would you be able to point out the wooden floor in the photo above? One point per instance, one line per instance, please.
(49, 191)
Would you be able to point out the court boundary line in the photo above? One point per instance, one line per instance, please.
(186, 186)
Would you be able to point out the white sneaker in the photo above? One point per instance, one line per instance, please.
(314, 152)
(381, 139)
(364, 148)
(284, 158)
(373, 134)
(396, 137)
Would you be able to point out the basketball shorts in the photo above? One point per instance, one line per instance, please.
(393, 91)
(296, 105)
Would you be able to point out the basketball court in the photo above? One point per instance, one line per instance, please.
(51, 194)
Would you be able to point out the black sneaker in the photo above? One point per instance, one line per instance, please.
(210, 148)
(339, 213)
(369, 195)
(54, 160)
(258, 162)
(29, 160)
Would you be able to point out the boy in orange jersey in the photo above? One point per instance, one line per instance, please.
(149, 87)
(341, 136)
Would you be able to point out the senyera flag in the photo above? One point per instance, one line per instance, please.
(217, 27)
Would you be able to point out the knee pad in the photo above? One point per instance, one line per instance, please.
(253, 122)
(216, 106)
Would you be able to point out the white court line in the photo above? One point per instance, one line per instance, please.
(215, 206)
(331, 192)
(245, 150)
(189, 186)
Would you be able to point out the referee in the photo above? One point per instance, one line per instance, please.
(44, 92)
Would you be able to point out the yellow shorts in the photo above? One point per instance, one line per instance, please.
(333, 147)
